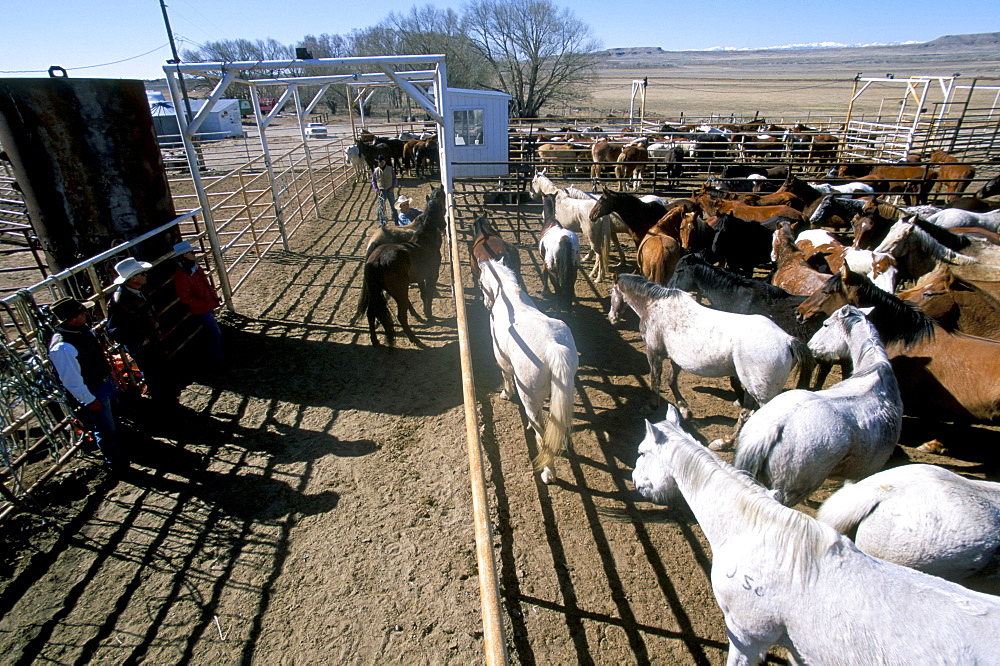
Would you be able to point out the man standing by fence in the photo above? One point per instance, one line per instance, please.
(83, 369)
(132, 321)
(384, 182)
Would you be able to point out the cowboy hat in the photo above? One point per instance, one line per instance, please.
(66, 308)
(127, 268)
(183, 248)
(403, 199)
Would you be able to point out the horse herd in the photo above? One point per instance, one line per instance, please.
(830, 297)
(407, 153)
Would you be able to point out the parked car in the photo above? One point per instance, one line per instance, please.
(316, 129)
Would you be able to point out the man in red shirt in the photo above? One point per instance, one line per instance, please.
(195, 291)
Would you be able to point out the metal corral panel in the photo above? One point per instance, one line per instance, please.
(480, 140)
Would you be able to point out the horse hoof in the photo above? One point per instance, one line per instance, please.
(685, 413)
(548, 476)
(719, 445)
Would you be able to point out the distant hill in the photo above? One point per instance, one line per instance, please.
(980, 52)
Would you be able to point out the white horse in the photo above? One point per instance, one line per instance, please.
(954, 217)
(753, 351)
(574, 214)
(798, 440)
(926, 518)
(845, 189)
(917, 252)
(617, 226)
(537, 358)
(560, 251)
(352, 156)
(783, 578)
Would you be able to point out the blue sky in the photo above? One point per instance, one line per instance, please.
(77, 34)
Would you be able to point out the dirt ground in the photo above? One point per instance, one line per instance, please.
(313, 506)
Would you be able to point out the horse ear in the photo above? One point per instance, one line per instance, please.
(672, 414)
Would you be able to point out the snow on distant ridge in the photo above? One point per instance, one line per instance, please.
(813, 45)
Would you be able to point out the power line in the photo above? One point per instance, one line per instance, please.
(106, 64)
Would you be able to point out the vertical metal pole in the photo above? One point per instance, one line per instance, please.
(305, 145)
(199, 188)
(278, 216)
(350, 112)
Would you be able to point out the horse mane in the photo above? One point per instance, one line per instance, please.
(716, 277)
(483, 227)
(789, 533)
(949, 239)
(647, 289)
(549, 210)
(895, 320)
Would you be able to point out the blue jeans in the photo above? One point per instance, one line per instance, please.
(211, 326)
(387, 197)
(104, 426)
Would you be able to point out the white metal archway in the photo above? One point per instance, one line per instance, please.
(397, 70)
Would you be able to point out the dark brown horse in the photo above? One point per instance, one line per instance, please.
(946, 376)
(388, 269)
(696, 233)
(872, 224)
(639, 216)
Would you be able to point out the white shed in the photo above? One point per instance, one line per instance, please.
(222, 122)
(480, 120)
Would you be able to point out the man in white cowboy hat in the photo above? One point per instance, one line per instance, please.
(132, 321)
(80, 361)
(407, 213)
(384, 183)
(195, 291)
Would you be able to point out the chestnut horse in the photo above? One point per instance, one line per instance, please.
(793, 272)
(953, 176)
(601, 152)
(631, 163)
(914, 182)
(956, 304)
(949, 376)
(711, 206)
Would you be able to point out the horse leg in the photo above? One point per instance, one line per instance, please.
(655, 376)
(726, 442)
(806, 371)
(403, 305)
(674, 372)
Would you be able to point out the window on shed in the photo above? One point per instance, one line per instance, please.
(469, 127)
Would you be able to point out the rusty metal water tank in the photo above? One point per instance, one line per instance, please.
(86, 158)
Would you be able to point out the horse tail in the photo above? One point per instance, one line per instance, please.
(849, 506)
(372, 301)
(562, 366)
(756, 443)
(803, 358)
(565, 273)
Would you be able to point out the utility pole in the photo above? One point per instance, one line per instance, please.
(176, 60)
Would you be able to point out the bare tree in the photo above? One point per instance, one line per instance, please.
(239, 50)
(428, 29)
(538, 53)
